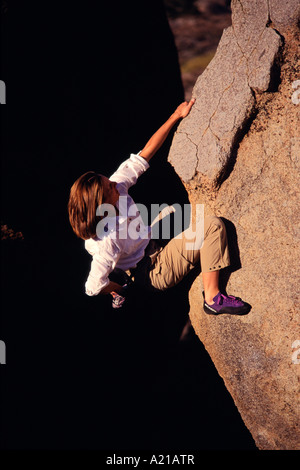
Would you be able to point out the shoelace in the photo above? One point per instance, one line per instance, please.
(223, 298)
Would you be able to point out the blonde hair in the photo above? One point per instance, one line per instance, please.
(86, 195)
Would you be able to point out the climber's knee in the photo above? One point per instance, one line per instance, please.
(213, 223)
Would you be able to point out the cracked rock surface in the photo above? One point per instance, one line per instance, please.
(225, 93)
(238, 154)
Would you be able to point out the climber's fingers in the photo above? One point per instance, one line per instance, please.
(184, 108)
(191, 102)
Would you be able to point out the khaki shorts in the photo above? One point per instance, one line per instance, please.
(162, 268)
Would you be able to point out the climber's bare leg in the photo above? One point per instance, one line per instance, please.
(210, 285)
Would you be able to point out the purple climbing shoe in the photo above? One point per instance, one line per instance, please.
(226, 304)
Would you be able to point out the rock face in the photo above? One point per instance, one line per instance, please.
(238, 153)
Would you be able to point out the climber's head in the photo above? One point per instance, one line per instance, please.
(87, 193)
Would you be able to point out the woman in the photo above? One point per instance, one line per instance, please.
(102, 213)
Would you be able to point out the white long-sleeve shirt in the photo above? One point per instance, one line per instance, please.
(121, 246)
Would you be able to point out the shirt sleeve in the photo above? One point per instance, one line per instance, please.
(130, 170)
(102, 265)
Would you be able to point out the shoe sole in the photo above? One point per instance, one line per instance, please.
(229, 310)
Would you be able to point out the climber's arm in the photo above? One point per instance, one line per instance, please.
(156, 141)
